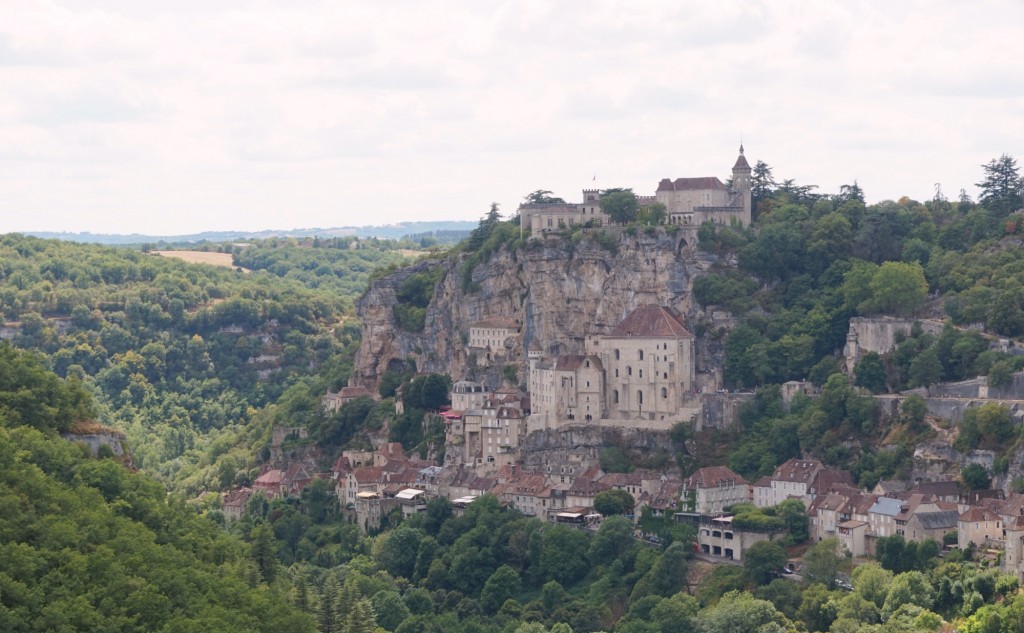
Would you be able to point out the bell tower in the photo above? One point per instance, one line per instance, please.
(741, 184)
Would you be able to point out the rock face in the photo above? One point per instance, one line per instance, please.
(559, 289)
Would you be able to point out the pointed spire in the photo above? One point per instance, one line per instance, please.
(741, 148)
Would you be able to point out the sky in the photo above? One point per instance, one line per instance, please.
(161, 118)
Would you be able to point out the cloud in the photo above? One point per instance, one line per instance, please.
(132, 115)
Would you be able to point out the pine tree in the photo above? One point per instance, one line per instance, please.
(1002, 189)
(263, 552)
(361, 619)
(327, 614)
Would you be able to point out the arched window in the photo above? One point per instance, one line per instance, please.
(640, 354)
(615, 396)
(664, 392)
(629, 370)
(640, 397)
(616, 372)
(641, 373)
(616, 354)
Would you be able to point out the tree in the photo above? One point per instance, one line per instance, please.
(793, 512)
(898, 288)
(821, 562)
(621, 205)
(740, 612)
(784, 594)
(763, 560)
(504, 584)
(263, 551)
(1002, 187)
(541, 196)
(479, 235)
(818, 608)
(925, 369)
(614, 501)
(667, 576)
(871, 582)
(613, 541)
(564, 554)
(975, 477)
(396, 551)
(910, 587)
(913, 410)
(870, 373)
(390, 609)
(762, 183)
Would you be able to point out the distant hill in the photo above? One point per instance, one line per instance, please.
(390, 231)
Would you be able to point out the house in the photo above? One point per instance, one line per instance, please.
(851, 535)
(717, 537)
(361, 479)
(411, 501)
(269, 483)
(333, 401)
(761, 493)
(931, 525)
(494, 337)
(235, 502)
(980, 527)
(791, 480)
(939, 490)
(713, 489)
(802, 479)
(882, 516)
(467, 394)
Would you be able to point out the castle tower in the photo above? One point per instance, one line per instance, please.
(741, 184)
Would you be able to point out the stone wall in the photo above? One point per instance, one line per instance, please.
(878, 334)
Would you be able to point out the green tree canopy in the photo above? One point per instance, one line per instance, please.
(621, 205)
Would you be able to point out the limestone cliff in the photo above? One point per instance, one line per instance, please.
(559, 289)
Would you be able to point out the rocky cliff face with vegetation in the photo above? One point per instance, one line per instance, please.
(559, 288)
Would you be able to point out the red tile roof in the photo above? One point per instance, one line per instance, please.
(713, 477)
(657, 321)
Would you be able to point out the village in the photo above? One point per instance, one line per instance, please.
(641, 375)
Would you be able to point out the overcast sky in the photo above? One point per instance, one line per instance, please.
(167, 118)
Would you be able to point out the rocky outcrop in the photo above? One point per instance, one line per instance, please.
(581, 445)
(559, 289)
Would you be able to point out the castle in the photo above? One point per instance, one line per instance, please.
(687, 201)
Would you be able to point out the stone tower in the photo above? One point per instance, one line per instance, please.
(741, 184)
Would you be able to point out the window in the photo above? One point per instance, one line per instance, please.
(640, 354)
(664, 392)
(615, 396)
(616, 354)
(629, 371)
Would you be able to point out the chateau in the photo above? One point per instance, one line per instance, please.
(687, 201)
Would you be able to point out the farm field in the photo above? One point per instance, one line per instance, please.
(201, 257)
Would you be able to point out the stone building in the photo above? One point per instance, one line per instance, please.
(642, 370)
(714, 489)
(569, 387)
(649, 364)
(693, 201)
(688, 202)
(493, 338)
